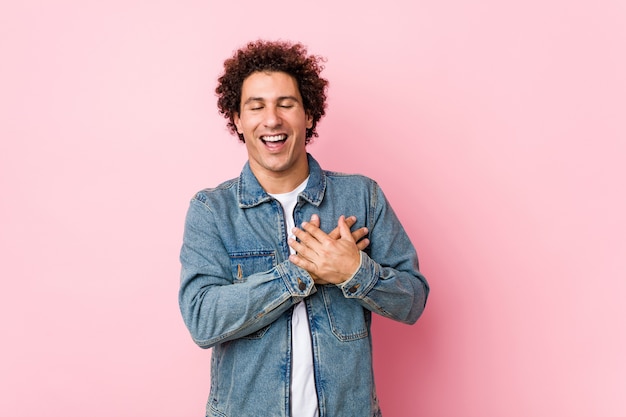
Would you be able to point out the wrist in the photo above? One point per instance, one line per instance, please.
(351, 276)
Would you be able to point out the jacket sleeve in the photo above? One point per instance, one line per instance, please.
(388, 281)
(215, 307)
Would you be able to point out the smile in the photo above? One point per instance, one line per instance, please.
(274, 138)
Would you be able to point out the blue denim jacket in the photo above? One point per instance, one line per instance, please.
(238, 289)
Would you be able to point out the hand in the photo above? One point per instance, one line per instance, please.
(358, 235)
(329, 258)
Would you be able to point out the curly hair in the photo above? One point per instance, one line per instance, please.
(273, 56)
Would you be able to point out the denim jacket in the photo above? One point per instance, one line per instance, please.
(238, 290)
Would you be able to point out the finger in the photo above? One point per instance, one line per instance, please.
(305, 237)
(334, 234)
(303, 263)
(315, 231)
(362, 244)
(359, 233)
(344, 230)
(301, 249)
(315, 219)
(359, 237)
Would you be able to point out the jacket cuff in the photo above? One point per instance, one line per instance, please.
(362, 281)
(298, 281)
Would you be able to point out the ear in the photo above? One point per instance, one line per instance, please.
(237, 122)
(309, 120)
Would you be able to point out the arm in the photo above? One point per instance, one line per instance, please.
(214, 306)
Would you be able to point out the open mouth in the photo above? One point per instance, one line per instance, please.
(274, 139)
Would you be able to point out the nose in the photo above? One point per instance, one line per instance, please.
(272, 118)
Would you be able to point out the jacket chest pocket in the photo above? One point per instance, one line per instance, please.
(348, 319)
(244, 264)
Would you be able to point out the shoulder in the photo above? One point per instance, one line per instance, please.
(342, 178)
(354, 187)
(222, 192)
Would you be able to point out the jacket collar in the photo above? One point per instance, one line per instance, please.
(250, 193)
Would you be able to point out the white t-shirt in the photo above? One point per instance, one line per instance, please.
(303, 393)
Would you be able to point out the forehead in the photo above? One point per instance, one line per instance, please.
(269, 85)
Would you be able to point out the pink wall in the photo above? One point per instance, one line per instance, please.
(496, 128)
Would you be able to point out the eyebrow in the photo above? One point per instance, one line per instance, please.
(281, 98)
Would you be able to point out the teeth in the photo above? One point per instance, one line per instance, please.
(275, 138)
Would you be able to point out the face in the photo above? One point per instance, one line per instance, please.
(273, 122)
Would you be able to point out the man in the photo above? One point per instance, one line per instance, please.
(287, 310)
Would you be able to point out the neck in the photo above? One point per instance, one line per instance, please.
(283, 179)
(275, 183)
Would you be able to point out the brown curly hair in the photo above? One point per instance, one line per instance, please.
(273, 56)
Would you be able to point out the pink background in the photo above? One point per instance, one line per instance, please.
(497, 130)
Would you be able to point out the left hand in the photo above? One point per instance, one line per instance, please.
(328, 260)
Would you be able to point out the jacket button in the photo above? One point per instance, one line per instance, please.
(353, 289)
(301, 285)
